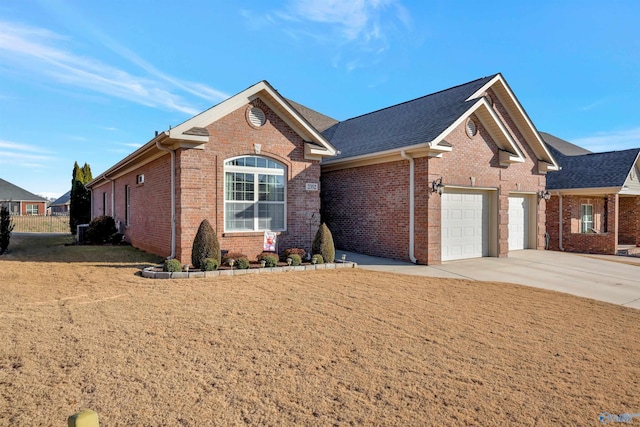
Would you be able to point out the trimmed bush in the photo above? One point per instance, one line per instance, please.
(6, 226)
(241, 261)
(323, 243)
(117, 238)
(295, 259)
(270, 259)
(172, 265)
(293, 251)
(101, 230)
(318, 257)
(209, 264)
(205, 245)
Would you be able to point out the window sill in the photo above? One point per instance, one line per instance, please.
(249, 233)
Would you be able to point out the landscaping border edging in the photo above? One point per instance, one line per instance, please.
(149, 272)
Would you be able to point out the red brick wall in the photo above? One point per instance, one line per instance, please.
(150, 218)
(200, 190)
(572, 239)
(201, 183)
(367, 207)
(629, 226)
(41, 207)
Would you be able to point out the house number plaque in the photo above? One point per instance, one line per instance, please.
(311, 186)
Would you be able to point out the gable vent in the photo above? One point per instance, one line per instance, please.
(256, 117)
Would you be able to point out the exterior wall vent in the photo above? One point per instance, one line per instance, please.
(256, 117)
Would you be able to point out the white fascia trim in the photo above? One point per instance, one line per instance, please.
(596, 191)
(427, 147)
(504, 136)
(301, 126)
(514, 101)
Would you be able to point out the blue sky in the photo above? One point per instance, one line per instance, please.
(90, 81)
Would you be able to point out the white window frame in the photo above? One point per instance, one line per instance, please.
(586, 225)
(256, 172)
(30, 207)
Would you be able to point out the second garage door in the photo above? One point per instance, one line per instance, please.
(465, 225)
(518, 222)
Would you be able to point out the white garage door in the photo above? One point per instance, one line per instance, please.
(465, 225)
(518, 222)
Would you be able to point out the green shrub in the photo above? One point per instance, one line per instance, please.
(319, 258)
(270, 259)
(293, 251)
(295, 259)
(6, 226)
(205, 245)
(117, 238)
(101, 229)
(241, 261)
(172, 265)
(209, 264)
(323, 243)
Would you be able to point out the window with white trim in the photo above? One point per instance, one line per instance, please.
(254, 194)
(32, 209)
(586, 218)
(127, 205)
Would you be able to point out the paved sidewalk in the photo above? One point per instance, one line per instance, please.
(606, 278)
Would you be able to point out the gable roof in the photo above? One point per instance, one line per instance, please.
(564, 147)
(62, 200)
(192, 133)
(423, 123)
(318, 120)
(11, 192)
(598, 171)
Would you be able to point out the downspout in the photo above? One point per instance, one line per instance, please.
(560, 222)
(411, 205)
(173, 198)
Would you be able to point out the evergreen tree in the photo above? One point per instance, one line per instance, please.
(80, 201)
(6, 226)
(323, 244)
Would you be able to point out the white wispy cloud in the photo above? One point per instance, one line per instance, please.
(613, 140)
(23, 155)
(41, 52)
(15, 146)
(360, 30)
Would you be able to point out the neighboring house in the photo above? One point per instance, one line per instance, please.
(20, 201)
(249, 164)
(451, 175)
(60, 206)
(595, 203)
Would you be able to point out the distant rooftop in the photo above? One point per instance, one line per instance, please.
(564, 147)
(11, 192)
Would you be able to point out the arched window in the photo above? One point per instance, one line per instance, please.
(254, 194)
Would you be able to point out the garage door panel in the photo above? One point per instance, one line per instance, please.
(465, 225)
(518, 222)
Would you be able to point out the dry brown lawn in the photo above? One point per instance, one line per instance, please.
(342, 347)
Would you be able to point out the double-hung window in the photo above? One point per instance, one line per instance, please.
(32, 209)
(586, 218)
(254, 196)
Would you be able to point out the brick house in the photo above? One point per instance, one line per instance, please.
(451, 175)
(595, 199)
(19, 201)
(61, 205)
(248, 164)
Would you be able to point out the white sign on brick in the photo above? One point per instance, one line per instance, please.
(311, 186)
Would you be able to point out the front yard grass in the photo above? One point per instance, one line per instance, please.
(79, 329)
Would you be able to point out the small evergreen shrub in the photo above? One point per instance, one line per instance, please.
(295, 259)
(241, 261)
(293, 251)
(209, 264)
(172, 265)
(271, 259)
(323, 243)
(319, 258)
(117, 238)
(205, 245)
(101, 229)
(6, 226)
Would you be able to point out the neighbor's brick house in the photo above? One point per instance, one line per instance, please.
(380, 194)
(595, 199)
(249, 164)
(19, 201)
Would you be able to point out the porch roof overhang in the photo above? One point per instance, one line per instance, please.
(594, 191)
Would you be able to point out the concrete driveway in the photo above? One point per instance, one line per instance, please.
(606, 278)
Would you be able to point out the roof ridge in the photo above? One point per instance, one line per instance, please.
(419, 97)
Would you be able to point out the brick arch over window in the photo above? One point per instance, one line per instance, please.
(254, 194)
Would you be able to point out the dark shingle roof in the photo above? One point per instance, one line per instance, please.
(413, 122)
(62, 200)
(594, 170)
(9, 191)
(564, 147)
(317, 120)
